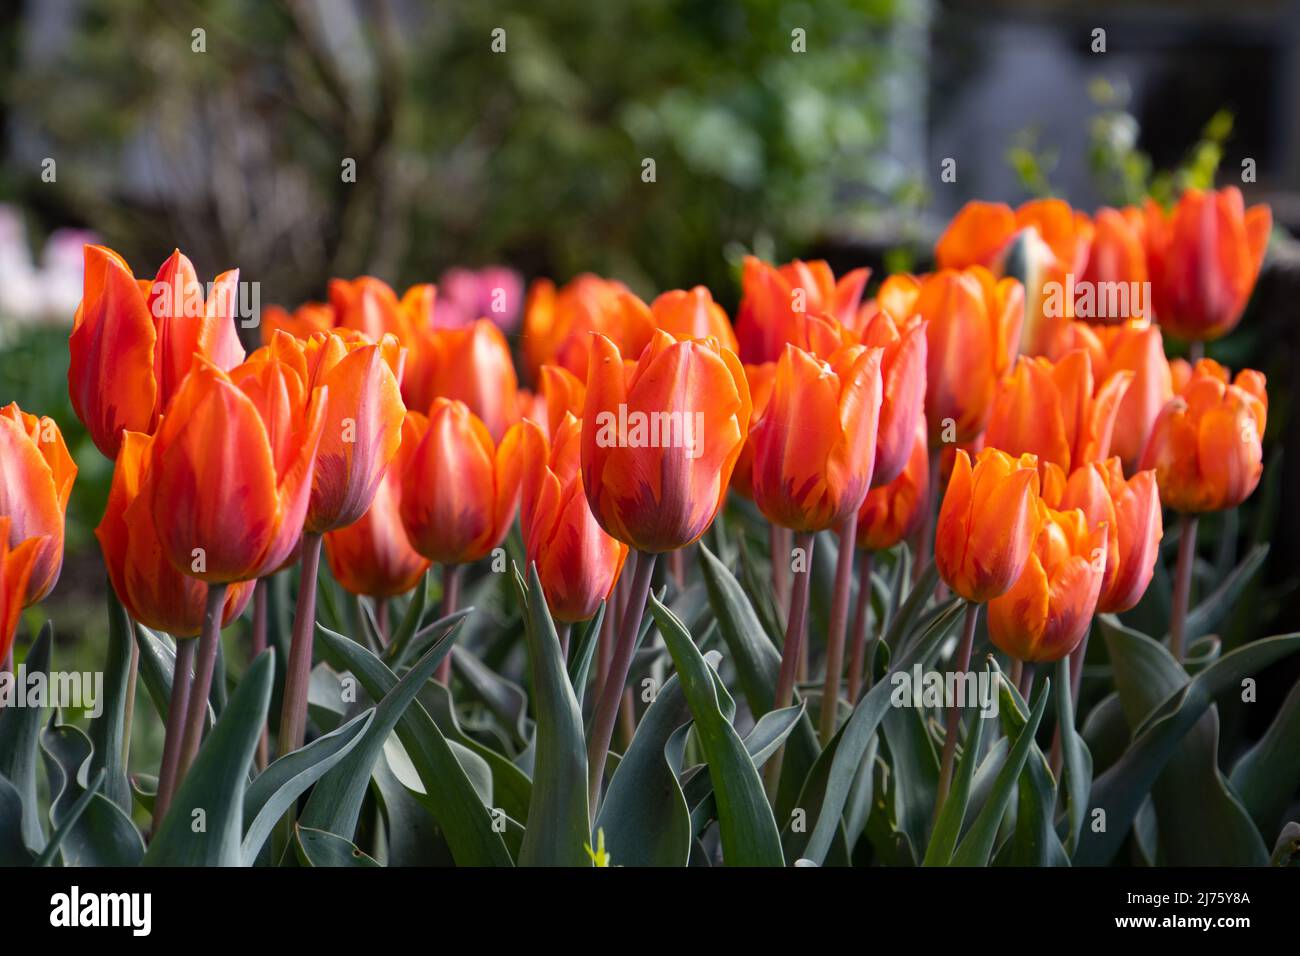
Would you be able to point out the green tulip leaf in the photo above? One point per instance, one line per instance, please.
(20, 729)
(319, 848)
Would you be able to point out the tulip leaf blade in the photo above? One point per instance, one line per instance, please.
(558, 827)
(584, 651)
(13, 848)
(321, 848)
(1034, 841)
(108, 732)
(977, 846)
(1267, 774)
(947, 828)
(409, 625)
(1076, 759)
(275, 789)
(452, 799)
(20, 729)
(1117, 794)
(217, 781)
(745, 821)
(1216, 605)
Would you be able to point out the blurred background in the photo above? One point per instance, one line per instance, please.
(778, 127)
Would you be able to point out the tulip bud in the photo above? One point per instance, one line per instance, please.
(231, 468)
(660, 438)
(471, 365)
(1131, 512)
(774, 301)
(815, 443)
(302, 323)
(36, 476)
(1204, 256)
(693, 315)
(16, 565)
(1117, 260)
(902, 373)
(148, 585)
(1046, 612)
(577, 562)
(1050, 410)
(1206, 445)
(760, 379)
(987, 523)
(459, 488)
(558, 323)
(891, 512)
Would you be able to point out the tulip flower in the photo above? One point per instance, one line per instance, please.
(972, 329)
(149, 586)
(133, 343)
(1046, 612)
(1137, 347)
(693, 314)
(472, 365)
(902, 372)
(660, 439)
(372, 556)
(1205, 446)
(774, 299)
(1204, 256)
(302, 323)
(987, 523)
(16, 564)
(459, 488)
(561, 393)
(371, 307)
(1114, 283)
(1131, 511)
(1052, 410)
(558, 323)
(577, 562)
(36, 476)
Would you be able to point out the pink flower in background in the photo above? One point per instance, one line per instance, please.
(465, 295)
(48, 292)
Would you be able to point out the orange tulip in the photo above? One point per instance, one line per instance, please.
(149, 587)
(693, 315)
(459, 488)
(987, 523)
(558, 323)
(1046, 613)
(371, 307)
(660, 438)
(1205, 446)
(36, 476)
(902, 372)
(1131, 511)
(972, 329)
(470, 364)
(814, 444)
(308, 318)
(891, 512)
(760, 379)
(16, 565)
(774, 299)
(231, 468)
(372, 556)
(1116, 276)
(577, 562)
(1052, 410)
(133, 342)
(1204, 257)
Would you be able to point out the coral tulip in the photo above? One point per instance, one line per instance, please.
(471, 365)
(1114, 285)
(148, 585)
(774, 299)
(36, 476)
(231, 469)
(1205, 446)
(1204, 257)
(459, 488)
(815, 443)
(693, 315)
(133, 342)
(577, 562)
(660, 438)
(371, 307)
(1052, 410)
(891, 512)
(972, 330)
(1046, 613)
(372, 556)
(987, 523)
(902, 373)
(558, 323)
(303, 322)
(1131, 511)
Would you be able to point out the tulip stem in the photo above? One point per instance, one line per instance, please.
(611, 692)
(128, 713)
(562, 630)
(860, 662)
(1026, 682)
(451, 575)
(929, 516)
(196, 712)
(182, 677)
(792, 646)
(778, 540)
(954, 716)
(293, 715)
(260, 616)
(1182, 584)
(838, 624)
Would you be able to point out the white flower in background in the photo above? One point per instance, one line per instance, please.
(44, 293)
